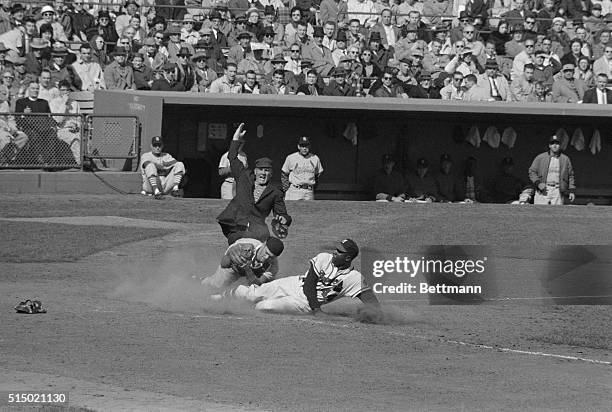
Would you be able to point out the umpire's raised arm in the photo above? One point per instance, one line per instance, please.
(236, 165)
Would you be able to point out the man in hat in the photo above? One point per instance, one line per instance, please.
(330, 276)
(447, 184)
(388, 184)
(454, 90)
(600, 94)
(34, 59)
(168, 80)
(216, 59)
(204, 75)
(188, 34)
(301, 79)
(255, 197)
(278, 63)
(185, 72)
(291, 28)
(90, 72)
(118, 75)
(48, 17)
(106, 30)
(62, 71)
(567, 89)
(388, 33)
(421, 185)
(552, 175)
(29, 33)
(228, 83)
(409, 42)
(217, 35)
(270, 21)
(321, 56)
(544, 72)
(380, 54)
(247, 261)
(123, 21)
(301, 172)
(424, 89)
(340, 50)
(494, 85)
(242, 50)
(463, 62)
(161, 172)
(338, 85)
(154, 59)
(174, 41)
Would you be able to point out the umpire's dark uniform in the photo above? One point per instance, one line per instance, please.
(244, 217)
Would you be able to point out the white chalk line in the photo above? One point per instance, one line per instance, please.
(407, 335)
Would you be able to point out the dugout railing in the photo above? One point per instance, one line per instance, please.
(55, 141)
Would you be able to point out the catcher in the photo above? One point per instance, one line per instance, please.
(256, 197)
(248, 260)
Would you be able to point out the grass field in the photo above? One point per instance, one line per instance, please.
(128, 328)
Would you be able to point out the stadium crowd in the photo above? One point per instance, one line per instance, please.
(536, 50)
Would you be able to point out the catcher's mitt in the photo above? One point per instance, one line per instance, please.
(279, 230)
(238, 255)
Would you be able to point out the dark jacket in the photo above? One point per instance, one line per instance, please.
(164, 86)
(538, 171)
(242, 209)
(590, 96)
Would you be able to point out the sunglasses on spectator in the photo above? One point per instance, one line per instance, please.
(366, 54)
(8, 77)
(529, 22)
(468, 32)
(296, 14)
(608, 51)
(458, 79)
(159, 37)
(353, 52)
(530, 46)
(295, 51)
(387, 77)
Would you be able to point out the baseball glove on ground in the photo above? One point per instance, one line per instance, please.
(279, 230)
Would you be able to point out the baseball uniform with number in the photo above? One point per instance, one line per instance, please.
(229, 271)
(287, 295)
(165, 168)
(303, 172)
(228, 187)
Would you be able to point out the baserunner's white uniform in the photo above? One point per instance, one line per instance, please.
(286, 295)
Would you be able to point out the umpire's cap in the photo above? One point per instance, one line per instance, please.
(275, 246)
(349, 246)
(263, 162)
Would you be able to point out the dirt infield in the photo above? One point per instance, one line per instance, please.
(129, 329)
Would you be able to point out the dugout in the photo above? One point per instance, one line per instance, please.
(350, 135)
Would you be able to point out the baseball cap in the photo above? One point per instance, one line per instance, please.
(156, 140)
(275, 246)
(553, 139)
(304, 141)
(597, 6)
(422, 162)
(568, 66)
(349, 246)
(263, 162)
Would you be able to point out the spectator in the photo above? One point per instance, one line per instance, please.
(5, 16)
(107, 31)
(599, 47)
(505, 64)
(161, 172)
(90, 72)
(250, 85)
(174, 42)
(553, 176)
(546, 14)
(294, 60)
(278, 63)
(123, 21)
(320, 55)
(516, 15)
(404, 9)
(204, 75)
(447, 185)
(424, 90)
(143, 75)
(495, 86)
(388, 88)
(13, 40)
(583, 72)
(17, 15)
(217, 35)
(557, 34)
(434, 61)
(421, 186)
(309, 88)
(22, 78)
(441, 35)
(34, 60)
(29, 33)
(270, 49)
(524, 57)
(68, 127)
(604, 63)
(388, 184)
(301, 79)
(153, 58)
(188, 33)
(240, 51)
(9, 92)
(541, 93)
(118, 75)
(338, 86)
(165, 9)
(574, 54)
(168, 80)
(566, 89)
(81, 21)
(278, 29)
(277, 85)
(362, 10)
(473, 93)
(98, 51)
(47, 90)
(463, 62)
(62, 71)
(369, 69)
(335, 11)
(48, 17)
(185, 73)
(600, 93)
(505, 186)
(515, 46)
(435, 9)
(380, 54)
(470, 40)
(529, 26)
(409, 42)
(499, 37)
(227, 83)
(291, 28)
(544, 72)
(216, 59)
(524, 85)
(388, 32)
(455, 89)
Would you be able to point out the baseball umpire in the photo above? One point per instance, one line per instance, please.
(248, 260)
(256, 197)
